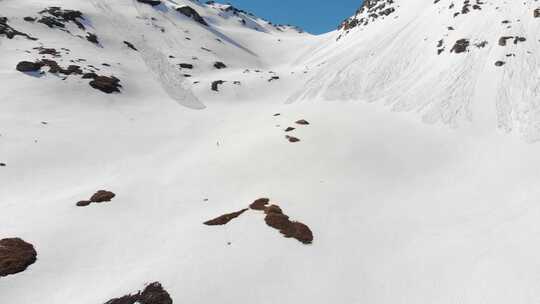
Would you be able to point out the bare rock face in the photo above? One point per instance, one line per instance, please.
(224, 219)
(188, 11)
(152, 294)
(15, 256)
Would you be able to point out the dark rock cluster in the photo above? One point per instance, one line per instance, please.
(274, 218)
(188, 11)
(106, 84)
(370, 11)
(55, 16)
(9, 32)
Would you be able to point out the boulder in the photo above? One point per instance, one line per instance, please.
(15, 256)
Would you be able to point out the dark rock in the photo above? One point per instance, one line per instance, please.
(259, 204)
(150, 2)
(499, 63)
(130, 45)
(276, 219)
(224, 219)
(152, 294)
(102, 196)
(29, 19)
(219, 65)
(90, 75)
(92, 38)
(216, 84)
(83, 203)
(502, 40)
(536, 13)
(48, 51)
(9, 32)
(302, 122)
(15, 256)
(191, 13)
(2, 164)
(185, 65)
(58, 17)
(106, 84)
(27, 66)
(289, 129)
(460, 46)
(292, 139)
(273, 78)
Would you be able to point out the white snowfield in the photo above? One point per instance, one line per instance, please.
(401, 211)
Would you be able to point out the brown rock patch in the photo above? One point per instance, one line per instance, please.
(276, 219)
(152, 294)
(224, 219)
(15, 256)
(292, 139)
(302, 122)
(259, 204)
(98, 197)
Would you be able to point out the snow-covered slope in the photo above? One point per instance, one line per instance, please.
(452, 61)
(400, 211)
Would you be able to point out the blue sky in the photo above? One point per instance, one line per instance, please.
(314, 16)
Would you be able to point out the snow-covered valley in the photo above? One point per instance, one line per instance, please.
(413, 162)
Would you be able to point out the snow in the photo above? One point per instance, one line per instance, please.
(402, 211)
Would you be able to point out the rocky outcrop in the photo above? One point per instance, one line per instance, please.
(224, 219)
(28, 66)
(150, 2)
(460, 46)
(219, 65)
(9, 32)
(98, 197)
(55, 16)
(188, 11)
(152, 294)
(106, 84)
(15, 256)
(275, 218)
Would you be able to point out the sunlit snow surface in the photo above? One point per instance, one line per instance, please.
(401, 211)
